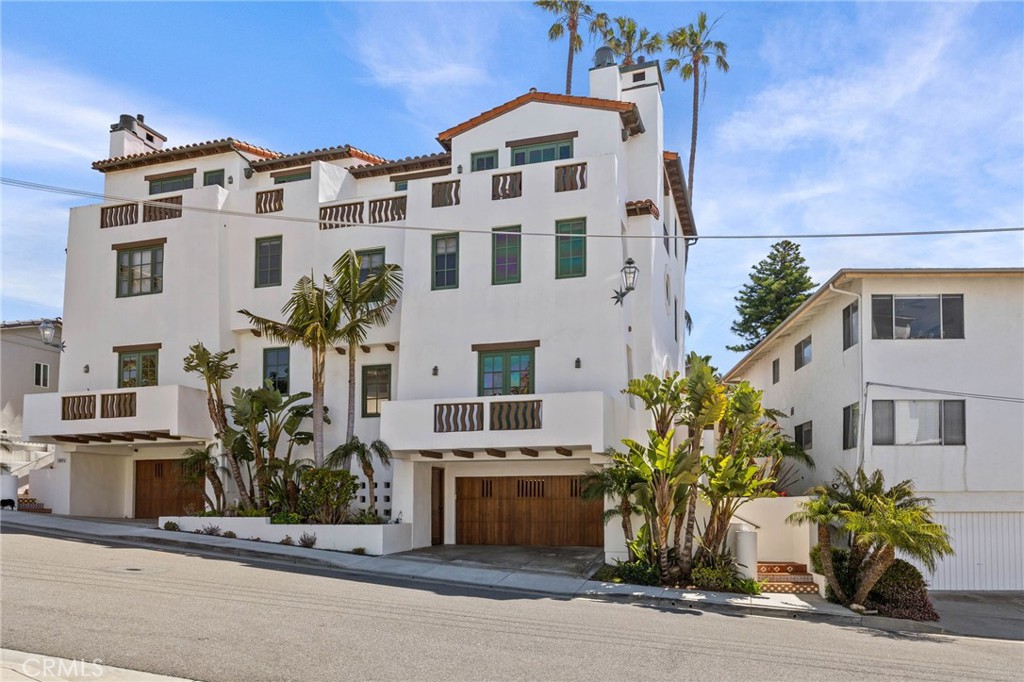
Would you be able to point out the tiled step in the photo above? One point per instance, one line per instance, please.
(786, 578)
(790, 588)
(780, 567)
(30, 505)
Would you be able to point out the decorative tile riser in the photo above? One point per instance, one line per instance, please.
(791, 588)
(781, 567)
(786, 578)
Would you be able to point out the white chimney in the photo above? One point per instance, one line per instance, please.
(130, 135)
(604, 75)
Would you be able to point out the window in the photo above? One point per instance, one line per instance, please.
(775, 371)
(802, 353)
(571, 248)
(537, 153)
(446, 262)
(369, 261)
(376, 388)
(137, 368)
(666, 242)
(851, 325)
(304, 174)
(918, 422)
(401, 185)
(851, 425)
(637, 77)
(214, 177)
(675, 318)
(505, 267)
(268, 262)
(481, 161)
(506, 372)
(42, 375)
(171, 184)
(802, 434)
(917, 317)
(275, 368)
(140, 271)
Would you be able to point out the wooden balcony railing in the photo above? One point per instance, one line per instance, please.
(445, 193)
(78, 407)
(387, 210)
(506, 185)
(121, 214)
(516, 415)
(341, 213)
(571, 177)
(453, 417)
(151, 213)
(114, 405)
(270, 201)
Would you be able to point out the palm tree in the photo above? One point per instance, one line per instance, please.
(199, 467)
(823, 511)
(362, 303)
(364, 454)
(628, 40)
(571, 13)
(616, 482)
(314, 321)
(663, 398)
(695, 48)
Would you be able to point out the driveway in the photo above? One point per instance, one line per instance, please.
(981, 614)
(578, 562)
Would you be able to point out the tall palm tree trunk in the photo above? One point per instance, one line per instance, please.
(825, 545)
(875, 568)
(318, 406)
(215, 483)
(236, 475)
(693, 129)
(686, 560)
(351, 428)
(568, 68)
(371, 498)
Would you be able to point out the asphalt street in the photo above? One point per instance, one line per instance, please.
(229, 620)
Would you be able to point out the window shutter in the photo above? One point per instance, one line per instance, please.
(953, 317)
(883, 426)
(953, 423)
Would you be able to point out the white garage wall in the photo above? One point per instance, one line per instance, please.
(989, 552)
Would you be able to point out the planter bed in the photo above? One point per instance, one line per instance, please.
(375, 539)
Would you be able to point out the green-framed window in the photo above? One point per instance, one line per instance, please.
(214, 177)
(506, 372)
(137, 368)
(369, 261)
(571, 248)
(276, 365)
(481, 161)
(505, 256)
(268, 262)
(401, 185)
(304, 174)
(445, 269)
(140, 271)
(376, 388)
(538, 153)
(172, 184)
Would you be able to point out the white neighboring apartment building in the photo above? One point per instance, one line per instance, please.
(919, 373)
(498, 380)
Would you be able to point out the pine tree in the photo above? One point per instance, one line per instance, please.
(778, 285)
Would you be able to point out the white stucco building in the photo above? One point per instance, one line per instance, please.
(919, 373)
(498, 380)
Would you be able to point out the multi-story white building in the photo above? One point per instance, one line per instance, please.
(498, 380)
(919, 373)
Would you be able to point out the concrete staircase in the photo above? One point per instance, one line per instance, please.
(786, 576)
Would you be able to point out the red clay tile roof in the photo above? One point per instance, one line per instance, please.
(674, 178)
(344, 151)
(642, 207)
(188, 151)
(626, 110)
(408, 164)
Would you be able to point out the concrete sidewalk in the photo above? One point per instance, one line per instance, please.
(412, 568)
(18, 666)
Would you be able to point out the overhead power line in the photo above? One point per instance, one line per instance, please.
(959, 394)
(39, 187)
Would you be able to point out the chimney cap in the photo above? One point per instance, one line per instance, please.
(533, 89)
(142, 119)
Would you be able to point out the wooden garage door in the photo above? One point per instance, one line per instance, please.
(161, 491)
(526, 510)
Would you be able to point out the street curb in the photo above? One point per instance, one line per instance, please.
(856, 620)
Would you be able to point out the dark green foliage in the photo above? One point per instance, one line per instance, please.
(901, 592)
(359, 550)
(252, 512)
(720, 573)
(714, 578)
(326, 495)
(287, 540)
(307, 540)
(639, 573)
(209, 529)
(607, 574)
(229, 534)
(286, 517)
(171, 525)
(365, 517)
(778, 285)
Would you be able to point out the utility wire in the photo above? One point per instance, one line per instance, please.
(38, 187)
(959, 394)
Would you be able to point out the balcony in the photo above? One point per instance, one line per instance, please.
(153, 210)
(571, 177)
(120, 415)
(341, 215)
(526, 425)
(270, 201)
(506, 186)
(447, 193)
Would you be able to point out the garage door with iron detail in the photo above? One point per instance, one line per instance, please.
(162, 489)
(526, 510)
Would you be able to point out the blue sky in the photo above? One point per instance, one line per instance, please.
(849, 117)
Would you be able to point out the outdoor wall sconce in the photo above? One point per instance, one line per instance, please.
(629, 273)
(85, 370)
(434, 371)
(248, 173)
(46, 334)
(459, 169)
(578, 363)
(231, 179)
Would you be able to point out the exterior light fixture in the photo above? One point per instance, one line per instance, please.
(434, 371)
(85, 369)
(47, 330)
(629, 273)
(578, 363)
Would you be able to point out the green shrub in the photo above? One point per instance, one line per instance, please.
(208, 529)
(639, 573)
(901, 592)
(307, 540)
(326, 495)
(229, 534)
(359, 550)
(365, 517)
(171, 525)
(287, 540)
(713, 578)
(747, 586)
(285, 517)
(252, 512)
(607, 574)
